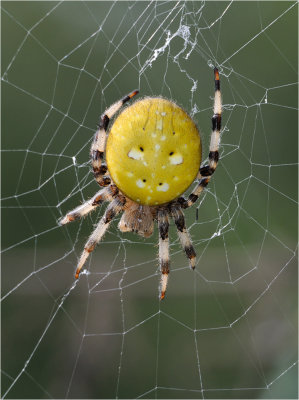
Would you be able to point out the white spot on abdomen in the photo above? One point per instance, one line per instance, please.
(176, 159)
(163, 188)
(140, 184)
(136, 154)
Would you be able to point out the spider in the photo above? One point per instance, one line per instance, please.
(153, 154)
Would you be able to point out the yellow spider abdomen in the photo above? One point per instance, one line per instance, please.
(153, 151)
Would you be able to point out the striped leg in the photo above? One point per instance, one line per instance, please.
(114, 208)
(163, 225)
(183, 234)
(105, 194)
(207, 171)
(98, 146)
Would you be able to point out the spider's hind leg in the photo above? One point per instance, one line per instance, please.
(163, 225)
(114, 208)
(178, 216)
(106, 194)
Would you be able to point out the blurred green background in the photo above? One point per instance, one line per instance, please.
(227, 330)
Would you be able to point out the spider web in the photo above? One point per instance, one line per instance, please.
(226, 330)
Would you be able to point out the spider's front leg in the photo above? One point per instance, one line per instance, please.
(216, 127)
(163, 226)
(100, 170)
(206, 172)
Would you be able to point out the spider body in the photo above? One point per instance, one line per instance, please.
(153, 154)
(153, 151)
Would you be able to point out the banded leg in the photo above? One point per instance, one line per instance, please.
(98, 146)
(207, 171)
(163, 225)
(114, 208)
(178, 216)
(105, 194)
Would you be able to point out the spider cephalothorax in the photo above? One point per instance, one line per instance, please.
(153, 154)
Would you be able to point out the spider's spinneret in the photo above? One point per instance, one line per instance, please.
(153, 151)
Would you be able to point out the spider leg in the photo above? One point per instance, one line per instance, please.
(100, 171)
(105, 194)
(207, 171)
(178, 216)
(114, 208)
(163, 225)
